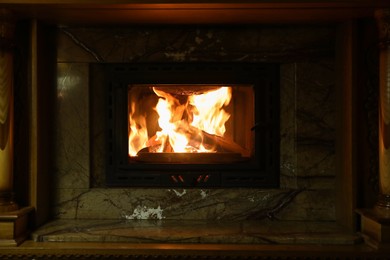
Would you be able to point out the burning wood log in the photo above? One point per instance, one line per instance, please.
(197, 138)
(224, 144)
(185, 91)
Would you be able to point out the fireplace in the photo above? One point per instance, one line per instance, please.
(305, 154)
(190, 124)
(309, 133)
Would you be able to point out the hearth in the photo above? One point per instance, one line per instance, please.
(190, 124)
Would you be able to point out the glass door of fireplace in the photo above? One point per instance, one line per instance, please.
(190, 123)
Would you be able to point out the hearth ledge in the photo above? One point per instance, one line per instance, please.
(197, 232)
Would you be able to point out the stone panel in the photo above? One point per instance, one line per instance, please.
(307, 122)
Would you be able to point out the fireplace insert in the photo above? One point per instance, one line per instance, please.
(194, 125)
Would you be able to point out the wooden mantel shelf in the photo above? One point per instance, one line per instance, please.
(34, 250)
(192, 11)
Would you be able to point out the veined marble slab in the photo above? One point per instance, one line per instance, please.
(192, 231)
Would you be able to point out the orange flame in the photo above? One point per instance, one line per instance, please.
(182, 124)
(209, 115)
(138, 133)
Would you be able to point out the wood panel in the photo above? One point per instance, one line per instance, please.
(42, 71)
(197, 12)
(42, 250)
(346, 134)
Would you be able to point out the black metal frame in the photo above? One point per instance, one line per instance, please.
(261, 171)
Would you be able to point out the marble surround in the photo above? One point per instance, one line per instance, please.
(307, 160)
(190, 231)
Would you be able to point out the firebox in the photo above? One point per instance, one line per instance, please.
(203, 125)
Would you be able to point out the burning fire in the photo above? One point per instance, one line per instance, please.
(190, 123)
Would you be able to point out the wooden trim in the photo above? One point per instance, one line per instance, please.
(191, 12)
(299, 3)
(346, 135)
(41, 101)
(14, 227)
(33, 118)
(41, 250)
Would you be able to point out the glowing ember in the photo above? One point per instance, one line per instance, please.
(186, 123)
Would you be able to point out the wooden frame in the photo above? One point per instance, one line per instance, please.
(132, 12)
